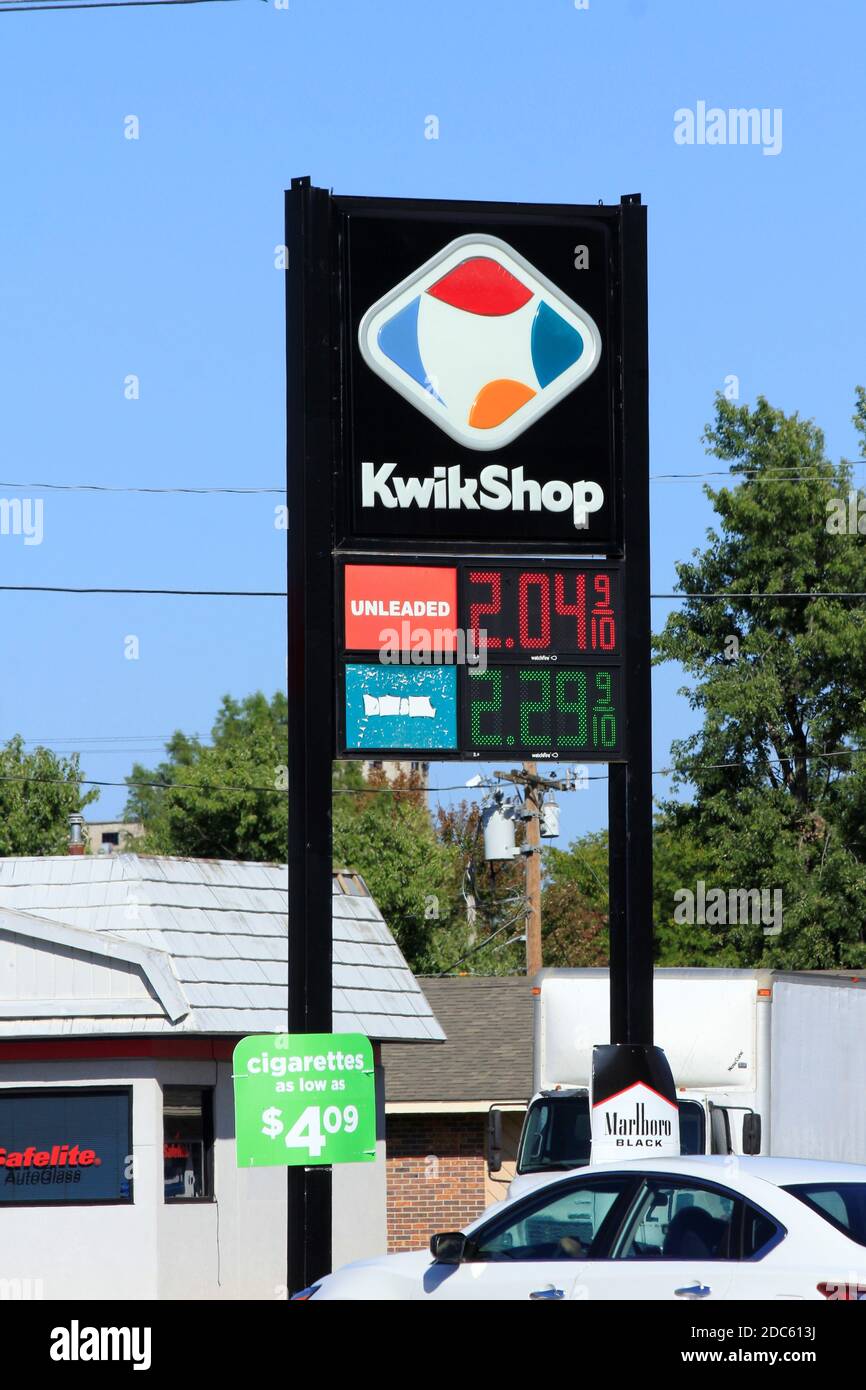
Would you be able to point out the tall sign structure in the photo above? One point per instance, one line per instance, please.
(468, 536)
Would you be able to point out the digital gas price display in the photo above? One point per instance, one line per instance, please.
(481, 659)
(555, 613)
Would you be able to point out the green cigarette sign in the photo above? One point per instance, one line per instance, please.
(304, 1099)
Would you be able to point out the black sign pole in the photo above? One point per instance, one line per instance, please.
(630, 785)
(313, 383)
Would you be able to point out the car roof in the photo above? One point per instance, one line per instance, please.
(782, 1172)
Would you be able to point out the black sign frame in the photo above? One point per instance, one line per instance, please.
(547, 235)
(319, 337)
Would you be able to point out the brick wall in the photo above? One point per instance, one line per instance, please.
(435, 1173)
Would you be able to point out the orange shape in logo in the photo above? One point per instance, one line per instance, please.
(498, 400)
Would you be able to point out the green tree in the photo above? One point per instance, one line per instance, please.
(574, 903)
(223, 800)
(38, 792)
(383, 830)
(780, 684)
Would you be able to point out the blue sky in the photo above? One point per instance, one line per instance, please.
(155, 257)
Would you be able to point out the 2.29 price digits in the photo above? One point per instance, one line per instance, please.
(561, 710)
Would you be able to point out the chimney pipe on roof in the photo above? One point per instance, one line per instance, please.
(76, 842)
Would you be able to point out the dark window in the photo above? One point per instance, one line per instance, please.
(693, 1127)
(187, 1142)
(843, 1204)
(760, 1232)
(557, 1135)
(65, 1146)
(679, 1219)
(111, 837)
(571, 1223)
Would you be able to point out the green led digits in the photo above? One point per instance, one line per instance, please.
(540, 706)
(493, 707)
(603, 714)
(571, 681)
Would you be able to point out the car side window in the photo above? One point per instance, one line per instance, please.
(760, 1232)
(680, 1219)
(557, 1224)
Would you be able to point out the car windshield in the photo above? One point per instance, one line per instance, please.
(557, 1134)
(843, 1204)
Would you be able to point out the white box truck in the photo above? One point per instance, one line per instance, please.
(764, 1062)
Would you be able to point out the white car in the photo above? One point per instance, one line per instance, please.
(703, 1227)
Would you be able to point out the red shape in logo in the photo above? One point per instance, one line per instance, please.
(481, 286)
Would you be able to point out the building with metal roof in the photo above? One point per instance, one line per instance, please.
(125, 983)
(188, 946)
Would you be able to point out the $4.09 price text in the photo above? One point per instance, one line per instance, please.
(307, 1130)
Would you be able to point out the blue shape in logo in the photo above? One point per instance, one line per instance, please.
(398, 339)
(555, 344)
(393, 707)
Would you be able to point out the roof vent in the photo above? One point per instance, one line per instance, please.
(76, 840)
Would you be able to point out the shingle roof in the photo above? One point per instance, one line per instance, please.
(488, 1052)
(223, 926)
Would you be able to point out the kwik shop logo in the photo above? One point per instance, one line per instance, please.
(480, 341)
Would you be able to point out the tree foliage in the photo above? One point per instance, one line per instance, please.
(775, 789)
(223, 800)
(38, 792)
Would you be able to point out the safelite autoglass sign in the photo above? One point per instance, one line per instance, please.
(304, 1099)
(65, 1146)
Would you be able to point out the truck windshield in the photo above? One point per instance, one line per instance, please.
(556, 1133)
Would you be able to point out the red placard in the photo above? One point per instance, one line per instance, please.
(402, 605)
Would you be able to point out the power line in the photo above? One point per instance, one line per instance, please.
(777, 475)
(480, 947)
(737, 593)
(282, 593)
(181, 593)
(394, 791)
(158, 786)
(104, 5)
(170, 491)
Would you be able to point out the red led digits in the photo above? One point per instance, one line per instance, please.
(602, 622)
(543, 638)
(494, 579)
(572, 610)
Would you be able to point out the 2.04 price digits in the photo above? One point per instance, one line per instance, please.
(306, 1132)
(563, 611)
(538, 708)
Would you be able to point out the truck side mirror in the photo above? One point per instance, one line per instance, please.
(751, 1133)
(720, 1130)
(449, 1247)
(494, 1140)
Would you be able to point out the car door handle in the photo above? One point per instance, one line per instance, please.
(549, 1292)
(696, 1290)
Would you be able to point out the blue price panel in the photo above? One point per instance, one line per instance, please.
(388, 708)
(550, 711)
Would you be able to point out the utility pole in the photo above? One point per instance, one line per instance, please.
(532, 802)
(534, 788)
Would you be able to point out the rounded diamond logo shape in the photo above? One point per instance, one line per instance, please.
(480, 341)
